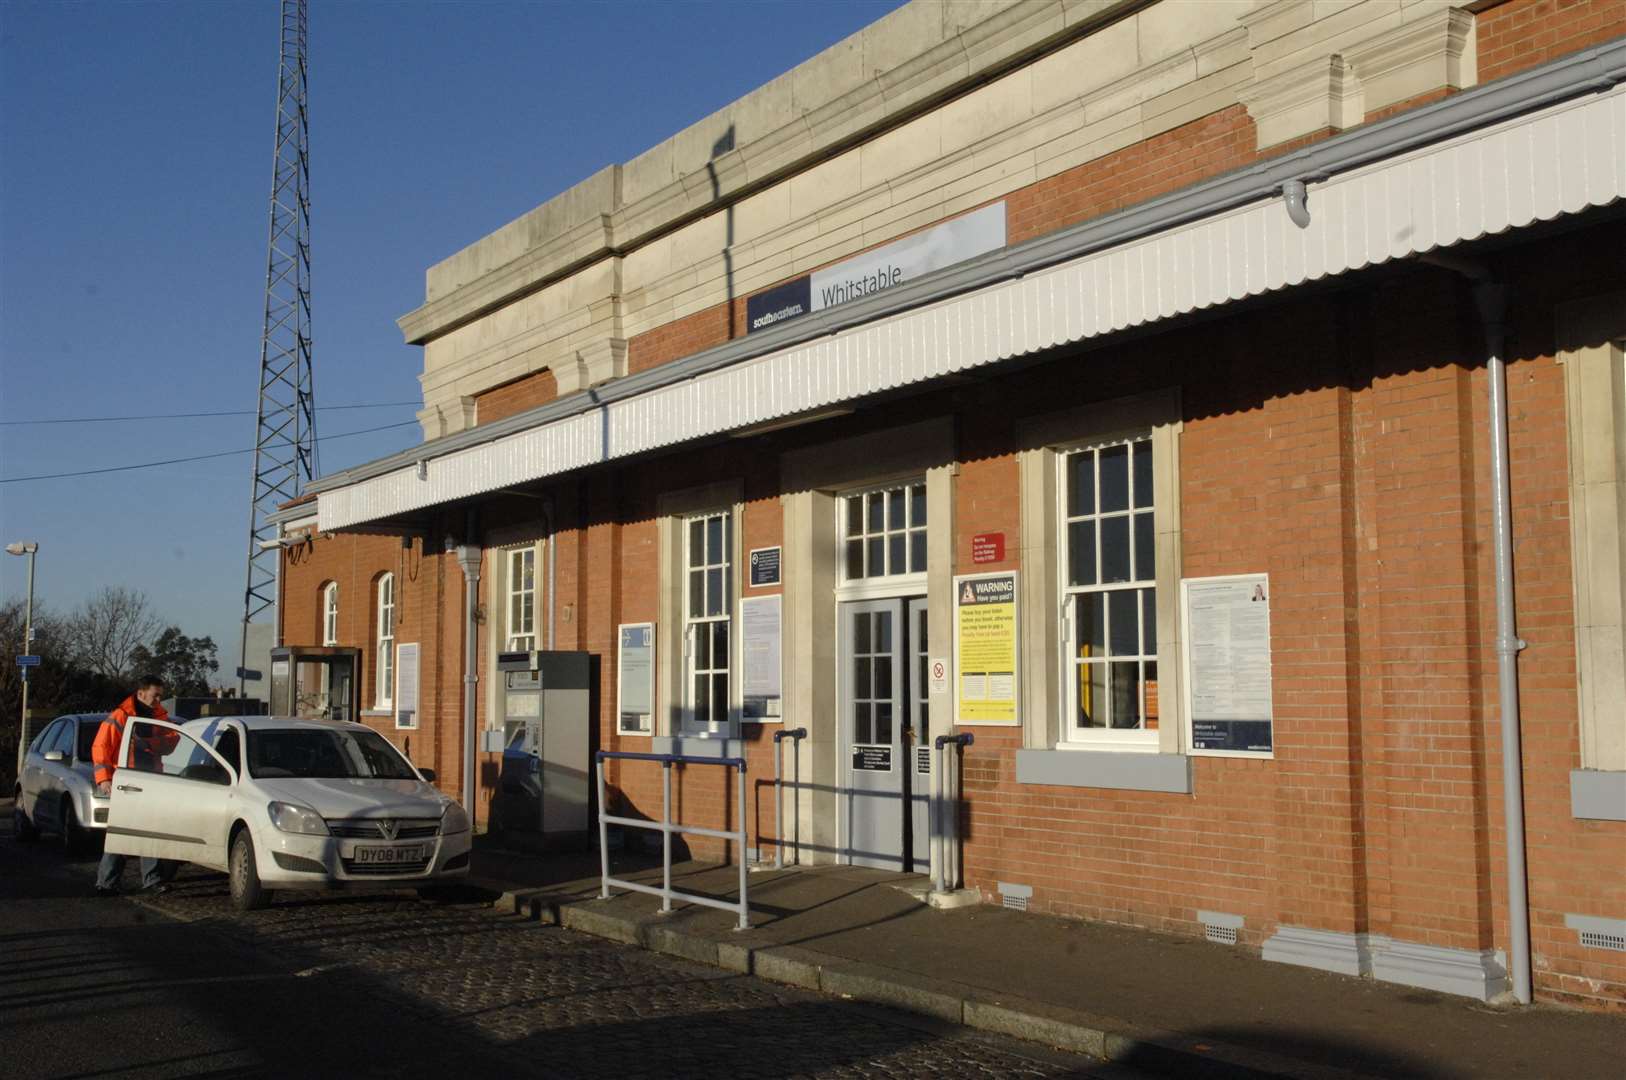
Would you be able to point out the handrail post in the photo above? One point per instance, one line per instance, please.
(778, 803)
(949, 815)
(796, 782)
(745, 907)
(603, 839)
(795, 735)
(666, 837)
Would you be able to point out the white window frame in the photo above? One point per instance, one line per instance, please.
(1106, 738)
(1048, 757)
(908, 531)
(330, 613)
(384, 643)
(519, 634)
(704, 622)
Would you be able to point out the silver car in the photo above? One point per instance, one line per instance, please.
(57, 791)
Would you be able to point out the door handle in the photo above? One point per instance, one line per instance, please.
(128, 787)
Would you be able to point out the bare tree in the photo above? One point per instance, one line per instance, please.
(106, 630)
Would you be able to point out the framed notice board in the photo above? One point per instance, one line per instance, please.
(985, 649)
(406, 685)
(1227, 665)
(635, 678)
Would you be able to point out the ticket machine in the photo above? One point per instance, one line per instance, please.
(546, 742)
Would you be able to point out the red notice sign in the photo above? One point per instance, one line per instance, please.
(988, 547)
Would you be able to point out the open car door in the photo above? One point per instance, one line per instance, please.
(172, 796)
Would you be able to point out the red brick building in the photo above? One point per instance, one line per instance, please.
(1116, 382)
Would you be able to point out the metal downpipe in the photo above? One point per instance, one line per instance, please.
(468, 558)
(1491, 299)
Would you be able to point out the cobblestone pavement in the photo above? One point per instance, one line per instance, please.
(553, 1002)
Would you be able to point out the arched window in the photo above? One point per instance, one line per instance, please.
(330, 613)
(384, 665)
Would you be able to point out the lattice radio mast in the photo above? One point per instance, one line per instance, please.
(285, 436)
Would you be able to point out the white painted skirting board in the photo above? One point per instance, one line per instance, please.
(1328, 950)
(1481, 975)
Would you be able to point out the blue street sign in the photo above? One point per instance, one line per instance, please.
(28, 661)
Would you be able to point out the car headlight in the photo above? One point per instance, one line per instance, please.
(292, 818)
(455, 820)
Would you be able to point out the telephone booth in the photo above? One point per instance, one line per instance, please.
(318, 682)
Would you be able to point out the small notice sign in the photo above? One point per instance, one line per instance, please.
(764, 567)
(988, 547)
(985, 648)
(872, 759)
(939, 675)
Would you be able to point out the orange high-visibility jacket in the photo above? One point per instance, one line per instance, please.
(105, 750)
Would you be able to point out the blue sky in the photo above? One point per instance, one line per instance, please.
(135, 165)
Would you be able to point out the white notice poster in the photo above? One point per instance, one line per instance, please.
(1227, 635)
(635, 678)
(406, 685)
(760, 651)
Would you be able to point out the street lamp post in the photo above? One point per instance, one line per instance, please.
(25, 548)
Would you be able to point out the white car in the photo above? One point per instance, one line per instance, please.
(56, 791)
(281, 803)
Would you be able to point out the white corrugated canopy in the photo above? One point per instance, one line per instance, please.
(1563, 160)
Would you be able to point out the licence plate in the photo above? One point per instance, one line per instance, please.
(384, 856)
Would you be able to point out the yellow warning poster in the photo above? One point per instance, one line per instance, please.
(985, 651)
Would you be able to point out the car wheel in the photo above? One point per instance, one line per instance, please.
(22, 825)
(247, 894)
(73, 837)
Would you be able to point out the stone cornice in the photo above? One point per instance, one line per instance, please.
(870, 100)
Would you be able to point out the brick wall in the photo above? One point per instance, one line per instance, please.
(1521, 34)
(526, 392)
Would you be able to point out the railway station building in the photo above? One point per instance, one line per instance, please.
(1217, 410)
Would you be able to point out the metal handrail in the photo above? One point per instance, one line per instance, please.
(948, 824)
(666, 827)
(796, 734)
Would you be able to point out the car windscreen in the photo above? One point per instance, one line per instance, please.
(87, 736)
(317, 754)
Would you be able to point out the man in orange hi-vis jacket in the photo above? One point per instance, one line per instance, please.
(104, 752)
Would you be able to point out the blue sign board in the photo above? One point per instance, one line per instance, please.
(28, 661)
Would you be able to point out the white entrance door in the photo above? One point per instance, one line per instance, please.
(171, 797)
(884, 794)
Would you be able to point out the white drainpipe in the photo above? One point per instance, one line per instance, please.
(468, 558)
(1490, 297)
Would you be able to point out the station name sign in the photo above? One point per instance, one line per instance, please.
(915, 256)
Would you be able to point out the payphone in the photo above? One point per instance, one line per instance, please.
(317, 682)
(546, 735)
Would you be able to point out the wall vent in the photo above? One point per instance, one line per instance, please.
(1599, 933)
(1592, 939)
(1219, 926)
(1015, 896)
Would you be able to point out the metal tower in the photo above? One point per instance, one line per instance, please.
(285, 436)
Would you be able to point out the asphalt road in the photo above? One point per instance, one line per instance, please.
(387, 985)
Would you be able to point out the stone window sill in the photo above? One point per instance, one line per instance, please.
(1169, 773)
(1598, 794)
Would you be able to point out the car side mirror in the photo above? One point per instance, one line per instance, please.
(55, 755)
(427, 774)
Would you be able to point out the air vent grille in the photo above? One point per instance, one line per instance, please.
(1594, 939)
(1220, 935)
